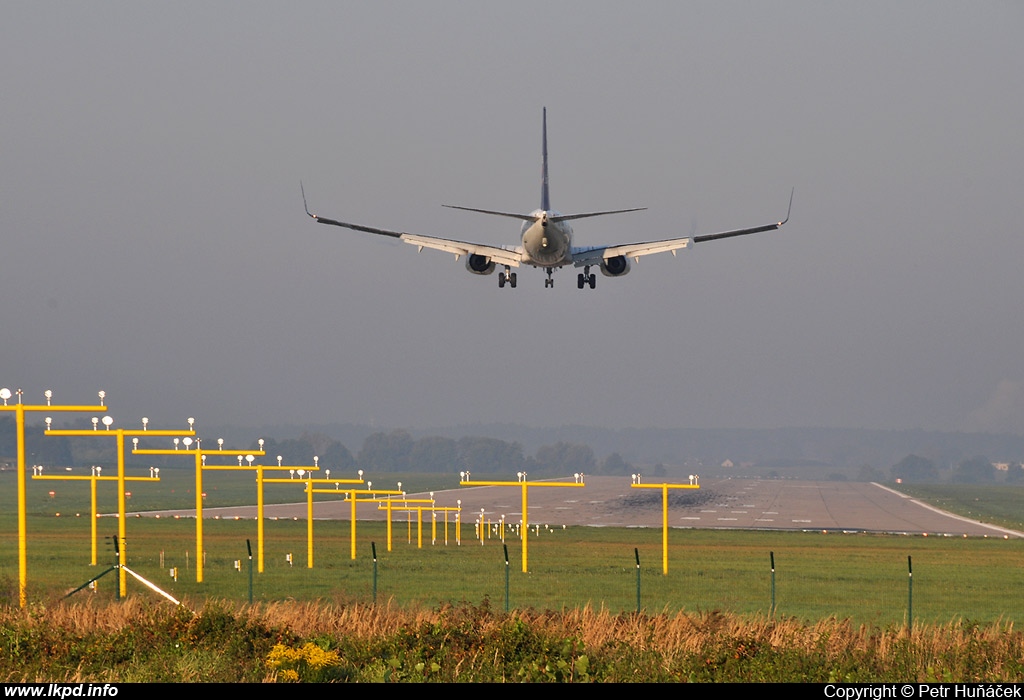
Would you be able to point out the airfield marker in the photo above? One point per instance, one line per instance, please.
(199, 455)
(664, 510)
(525, 486)
(119, 434)
(19, 410)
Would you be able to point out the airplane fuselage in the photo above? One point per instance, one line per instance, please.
(547, 243)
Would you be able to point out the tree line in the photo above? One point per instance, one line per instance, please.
(398, 451)
(976, 470)
(395, 451)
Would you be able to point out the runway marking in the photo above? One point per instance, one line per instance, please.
(764, 520)
(770, 512)
(690, 517)
(740, 512)
(709, 511)
(728, 518)
(801, 521)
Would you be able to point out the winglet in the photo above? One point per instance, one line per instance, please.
(304, 206)
(791, 193)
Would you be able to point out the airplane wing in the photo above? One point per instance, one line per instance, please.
(593, 255)
(500, 255)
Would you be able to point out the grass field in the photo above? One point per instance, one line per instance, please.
(1001, 505)
(860, 577)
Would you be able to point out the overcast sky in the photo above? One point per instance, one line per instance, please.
(155, 245)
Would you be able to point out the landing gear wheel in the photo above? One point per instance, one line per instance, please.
(501, 280)
(512, 280)
(585, 278)
(549, 282)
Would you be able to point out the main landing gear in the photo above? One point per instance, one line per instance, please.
(506, 276)
(585, 278)
(549, 282)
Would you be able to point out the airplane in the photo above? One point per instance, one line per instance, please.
(546, 239)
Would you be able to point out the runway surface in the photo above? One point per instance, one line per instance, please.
(719, 503)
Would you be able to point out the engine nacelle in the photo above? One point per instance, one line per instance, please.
(615, 267)
(479, 264)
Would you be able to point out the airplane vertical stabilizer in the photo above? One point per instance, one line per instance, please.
(545, 197)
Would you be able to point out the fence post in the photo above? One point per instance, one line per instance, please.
(772, 609)
(910, 595)
(248, 545)
(636, 553)
(505, 546)
(373, 548)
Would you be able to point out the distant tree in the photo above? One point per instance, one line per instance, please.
(615, 464)
(977, 470)
(338, 457)
(836, 476)
(868, 473)
(914, 468)
(319, 442)
(1015, 474)
(434, 454)
(489, 455)
(565, 458)
(291, 451)
(8, 437)
(386, 452)
(659, 470)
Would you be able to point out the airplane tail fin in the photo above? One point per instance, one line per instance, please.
(545, 195)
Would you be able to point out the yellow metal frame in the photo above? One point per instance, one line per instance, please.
(353, 496)
(92, 492)
(664, 514)
(308, 482)
(120, 434)
(525, 486)
(19, 409)
(198, 454)
(402, 505)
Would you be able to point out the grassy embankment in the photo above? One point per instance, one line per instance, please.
(140, 642)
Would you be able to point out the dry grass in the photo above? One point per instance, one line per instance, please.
(681, 646)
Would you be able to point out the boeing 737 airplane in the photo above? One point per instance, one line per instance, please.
(547, 240)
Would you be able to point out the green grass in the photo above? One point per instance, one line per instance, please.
(856, 576)
(1001, 505)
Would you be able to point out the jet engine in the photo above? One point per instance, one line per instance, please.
(479, 264)
(615, 267)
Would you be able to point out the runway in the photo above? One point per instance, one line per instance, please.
(606, 501)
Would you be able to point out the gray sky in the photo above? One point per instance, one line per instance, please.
(154, 243)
